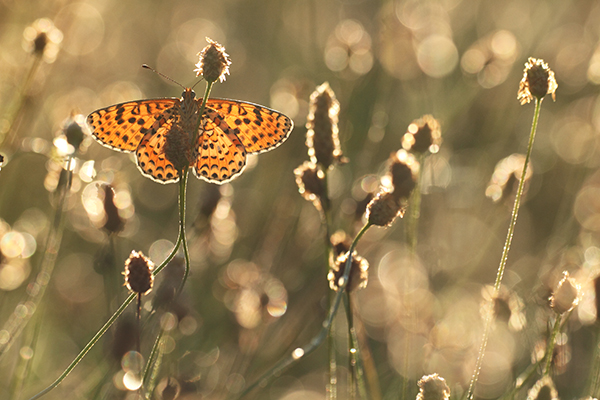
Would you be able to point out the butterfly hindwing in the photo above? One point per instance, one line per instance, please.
(151, 158)
(221, 156)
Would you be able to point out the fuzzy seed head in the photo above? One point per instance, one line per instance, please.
(403, 172)
(543, 390)
(433, 387)
(42, 39)
(538, 81)
(138, 273)
(423, 134)
(566, 295)
(114, 223)
(311, 183)
(214, 62)
(359, 273)
(383, 209)
(322, 136)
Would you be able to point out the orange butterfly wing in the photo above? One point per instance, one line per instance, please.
(259, 128)
(139, 126)
(228, 131)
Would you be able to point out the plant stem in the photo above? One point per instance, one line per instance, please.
(182, 189)
(35, 291)
(301, 352)
(511, 229)
(551, 342)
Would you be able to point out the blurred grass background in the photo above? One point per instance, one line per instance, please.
(389, 62)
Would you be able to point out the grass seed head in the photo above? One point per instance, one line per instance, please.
(433, 387)
(311, 183)
(214, 62)
(423, 134)
(566, 295)
(383, 209)
(322, 136)
(359, 272)
(538, 81)
(138, 273)
(114, 223)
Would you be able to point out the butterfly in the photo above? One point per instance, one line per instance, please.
(161, 132)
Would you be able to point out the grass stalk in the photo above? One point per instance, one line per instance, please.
(302, 352)
(511, 229)
(35, 292)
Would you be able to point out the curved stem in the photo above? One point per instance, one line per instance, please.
(88, 347)
(107, 325)
(301, 352)
(35, 292)
(551, 343)
(509, 236)
(182, 189)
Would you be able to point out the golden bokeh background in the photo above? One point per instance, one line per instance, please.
(258, 287)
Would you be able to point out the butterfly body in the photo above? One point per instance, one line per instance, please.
(166, 135)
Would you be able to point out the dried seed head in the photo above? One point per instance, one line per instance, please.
(506, 306)
(543, 390)
(341, 243)
(383, 209)
(423, 134)
(1, 161)
(404, 169)
(433, 387)
(114, 223)
(214, 62)
(74, 132)
(138, 273)
(322, 137)
(177, 148)
(42, 39)
(359, 273)
(566, 295)
(538, 81)
(168, 389)
(311, 184)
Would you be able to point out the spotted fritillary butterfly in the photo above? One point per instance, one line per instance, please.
(160, 132)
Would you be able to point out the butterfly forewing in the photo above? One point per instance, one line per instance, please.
(259, 128)
(123, 126)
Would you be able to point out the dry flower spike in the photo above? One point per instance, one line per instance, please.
(322, 136)
(433, 387)
(423, 134)
(311, 184)
(538, 81)
(566, 295)
(138, 273)
(214, 62)
(359, 273)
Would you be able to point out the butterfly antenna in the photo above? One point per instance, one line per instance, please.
(201, 79)
(162, 75)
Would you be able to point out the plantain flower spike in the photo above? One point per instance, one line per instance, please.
(214, 62)
(538, 81)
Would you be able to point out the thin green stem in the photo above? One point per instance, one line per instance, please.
(35, 292)
(551, 342)
(15, 112)
(119, 311)
(182, 189)
(147, 383)
(87, 347)
(301, 352)
(511, 229)
(355, 356)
